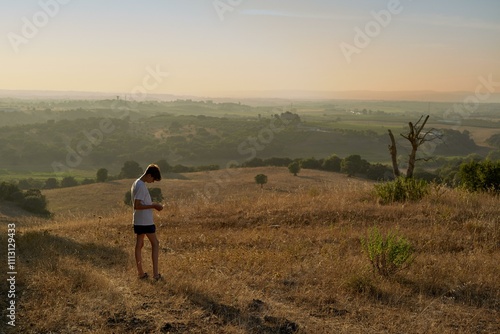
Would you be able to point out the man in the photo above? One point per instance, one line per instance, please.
(143, 219)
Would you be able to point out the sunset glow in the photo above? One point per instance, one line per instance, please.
(218, 48)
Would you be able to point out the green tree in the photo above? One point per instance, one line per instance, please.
(51, 183)
(261, 179)
(294, 168)
(351, 165)
(332, 163)
(130, 170)
(102, 175)
(68, 181)
(310, 163)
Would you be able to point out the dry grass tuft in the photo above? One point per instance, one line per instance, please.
(284, 259)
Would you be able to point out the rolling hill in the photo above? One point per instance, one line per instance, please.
(239, 259)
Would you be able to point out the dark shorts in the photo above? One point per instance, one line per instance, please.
(140, 229)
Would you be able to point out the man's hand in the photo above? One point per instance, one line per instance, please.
(158, 206)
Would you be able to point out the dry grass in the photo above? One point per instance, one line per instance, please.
(286, 259)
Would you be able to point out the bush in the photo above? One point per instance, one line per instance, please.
(17, 197)
(7, 189)
(332, 164)
(401, 190)
(29, 183)
(87, 181)
(34, 201)
(35, 204)
(387, 254)
(310, 163)
(69, 181)
(31, 200)
(480, 176)
(379, 172)
(51, 183)
(102, 175)
(294, 168)
(261, 179)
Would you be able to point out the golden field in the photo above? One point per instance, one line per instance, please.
(240, 259)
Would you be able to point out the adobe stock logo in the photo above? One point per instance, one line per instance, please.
(372, 29)
(223, 6)
(461, 111)
(31, 28)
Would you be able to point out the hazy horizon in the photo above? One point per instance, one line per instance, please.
(221, 48)
(417, 96)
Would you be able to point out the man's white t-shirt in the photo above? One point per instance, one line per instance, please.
(140, 191)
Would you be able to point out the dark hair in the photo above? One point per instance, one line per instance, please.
(154, 171)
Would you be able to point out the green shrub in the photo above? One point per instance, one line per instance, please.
(69, 181)
(35, 204)
(7, 189)
(294, 168)
(480, 176)
(261, 179)
(34, 201)
(401, 190)
(387, 254)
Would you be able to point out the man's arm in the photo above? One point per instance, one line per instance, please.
(139, 206)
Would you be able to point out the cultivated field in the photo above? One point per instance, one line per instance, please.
(239, 259)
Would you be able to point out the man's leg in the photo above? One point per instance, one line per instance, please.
(155, 247)
(138, 256)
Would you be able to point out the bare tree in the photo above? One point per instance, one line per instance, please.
(417, 137)
(394, 155)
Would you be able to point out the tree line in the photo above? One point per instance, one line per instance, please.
(189, 140)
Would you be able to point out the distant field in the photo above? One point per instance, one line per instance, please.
(16, 175)
(201, 133)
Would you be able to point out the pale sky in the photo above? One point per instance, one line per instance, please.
(248, 45)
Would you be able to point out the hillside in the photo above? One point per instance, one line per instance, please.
(100, 198)
(62, 135)
(238, 259)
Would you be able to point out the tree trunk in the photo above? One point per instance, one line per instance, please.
(411, 161)
(394, 155)
(416, 139)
